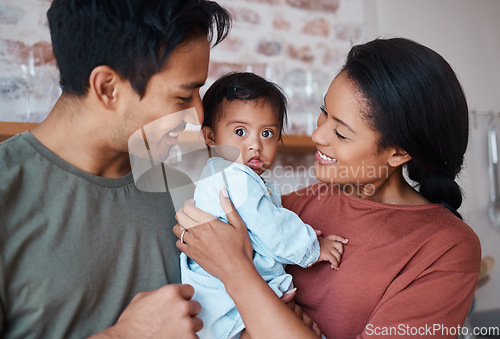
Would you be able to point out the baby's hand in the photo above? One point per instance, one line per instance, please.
(331, 249)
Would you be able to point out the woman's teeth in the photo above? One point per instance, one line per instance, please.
(325, 157)
(173, 134)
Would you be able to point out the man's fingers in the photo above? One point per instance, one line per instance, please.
(197, 324)
(186, 291)
(194, 308)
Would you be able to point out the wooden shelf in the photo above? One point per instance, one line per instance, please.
(292, 144)
(297, 144)
(9, 129)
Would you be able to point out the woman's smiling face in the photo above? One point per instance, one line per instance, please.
(347, 149)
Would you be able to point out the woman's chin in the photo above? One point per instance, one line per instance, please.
(325, 173)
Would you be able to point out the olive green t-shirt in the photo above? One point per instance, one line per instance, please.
(75, 248)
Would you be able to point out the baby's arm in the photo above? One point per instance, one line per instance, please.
(331, 249)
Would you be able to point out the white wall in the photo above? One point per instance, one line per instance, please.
(467, 34)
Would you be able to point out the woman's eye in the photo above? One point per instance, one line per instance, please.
(267, 134)
(340, 136)
(186, 99)
(323, 110)
(240, 132)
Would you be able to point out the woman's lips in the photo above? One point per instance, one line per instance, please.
(255, 163)
(324, 159)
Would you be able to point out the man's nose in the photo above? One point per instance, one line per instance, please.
(197, 118)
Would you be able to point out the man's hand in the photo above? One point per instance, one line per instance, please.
(167, 312)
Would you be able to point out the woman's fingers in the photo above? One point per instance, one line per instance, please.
(194, 213)
(190, 216)
(235, 220)
(231, 213)
(316, 330)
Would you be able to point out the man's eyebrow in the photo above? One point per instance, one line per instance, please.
(193, 85)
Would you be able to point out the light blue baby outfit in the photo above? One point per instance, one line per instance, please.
(278, 238)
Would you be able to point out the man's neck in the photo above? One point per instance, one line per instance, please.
(82, 139)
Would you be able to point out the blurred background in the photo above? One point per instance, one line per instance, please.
(300, 45)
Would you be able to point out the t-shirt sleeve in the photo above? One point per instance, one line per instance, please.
(436, 302)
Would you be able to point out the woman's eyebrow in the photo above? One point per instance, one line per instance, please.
(343, 123)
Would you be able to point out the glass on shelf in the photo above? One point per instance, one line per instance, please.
(30, 71)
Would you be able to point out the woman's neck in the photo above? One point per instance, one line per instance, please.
(394, 190)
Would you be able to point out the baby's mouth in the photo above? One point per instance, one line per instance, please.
(255, 163)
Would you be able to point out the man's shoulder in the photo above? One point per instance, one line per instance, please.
(13, 153)
(12, 147)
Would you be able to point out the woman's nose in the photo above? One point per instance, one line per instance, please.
(318, 135)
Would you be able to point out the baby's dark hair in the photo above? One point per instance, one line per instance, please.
(243, 86)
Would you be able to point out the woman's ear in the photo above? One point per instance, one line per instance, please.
(208, 135)
(103, 85)
(398, 157)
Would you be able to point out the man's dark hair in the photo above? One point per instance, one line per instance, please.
(133, 37)
(243, 86)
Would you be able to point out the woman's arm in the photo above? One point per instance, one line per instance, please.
(224, 250)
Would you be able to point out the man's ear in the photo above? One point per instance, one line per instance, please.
(103, 85)
(398, 157)
(208, 135)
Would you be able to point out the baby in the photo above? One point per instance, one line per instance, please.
(244, 121)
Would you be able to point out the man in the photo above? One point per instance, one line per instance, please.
(77, 238)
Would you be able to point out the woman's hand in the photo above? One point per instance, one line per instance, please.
(219, 247)
(225, 251)
(297, 310)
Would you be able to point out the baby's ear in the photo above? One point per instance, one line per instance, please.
(208, 135)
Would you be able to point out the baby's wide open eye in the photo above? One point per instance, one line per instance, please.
(267, 133)
(240, 132)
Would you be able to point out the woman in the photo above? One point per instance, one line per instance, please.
(411, 265)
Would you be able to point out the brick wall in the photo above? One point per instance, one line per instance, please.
(28, 75)
(300, 44)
